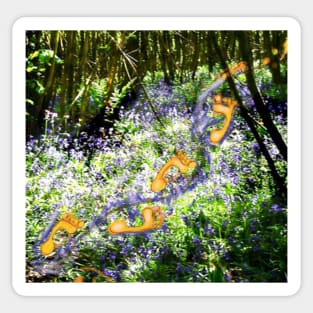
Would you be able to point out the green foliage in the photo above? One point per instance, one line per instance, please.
(37, 64)
(97, 92)
(231, 227)
(119, 93)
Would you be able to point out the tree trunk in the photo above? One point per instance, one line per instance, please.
(275, 58)
(195, 56)
(163, 57)
(85, 80)
(46, 96)
(65, 76)
(264, 113)
(280, 183)
(112, 70)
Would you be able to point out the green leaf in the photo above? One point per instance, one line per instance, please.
(31, 102)
(33, 55)
(105, 47)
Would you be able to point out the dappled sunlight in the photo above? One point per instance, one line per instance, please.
(173, 186)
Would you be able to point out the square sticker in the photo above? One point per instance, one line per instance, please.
(156, 156)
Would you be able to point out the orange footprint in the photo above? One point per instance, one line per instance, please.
(69, 223)
(225, 106)
(181, 161)
(152, 217)
(241, 66)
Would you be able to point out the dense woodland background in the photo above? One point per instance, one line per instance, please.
(80, 82)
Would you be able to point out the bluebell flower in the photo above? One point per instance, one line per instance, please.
(227, 277)
(112, 256)
(224, 224)
(196, 240)
(215, 247)
(275, 208)
(186, 220)
(180, 268)
(165, 228)
(209, 229)
(226, 256)
(132, 214)
(231, 240)
(252, 223)
(256, 248)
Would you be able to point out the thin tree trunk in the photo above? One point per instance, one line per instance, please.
(168, 44)
(163, 57)
(65, 76)
(275, 58)
(195, 56)
(112, 72)
(264, 113)
(178, 55)
(71, 61)
(84, 80)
